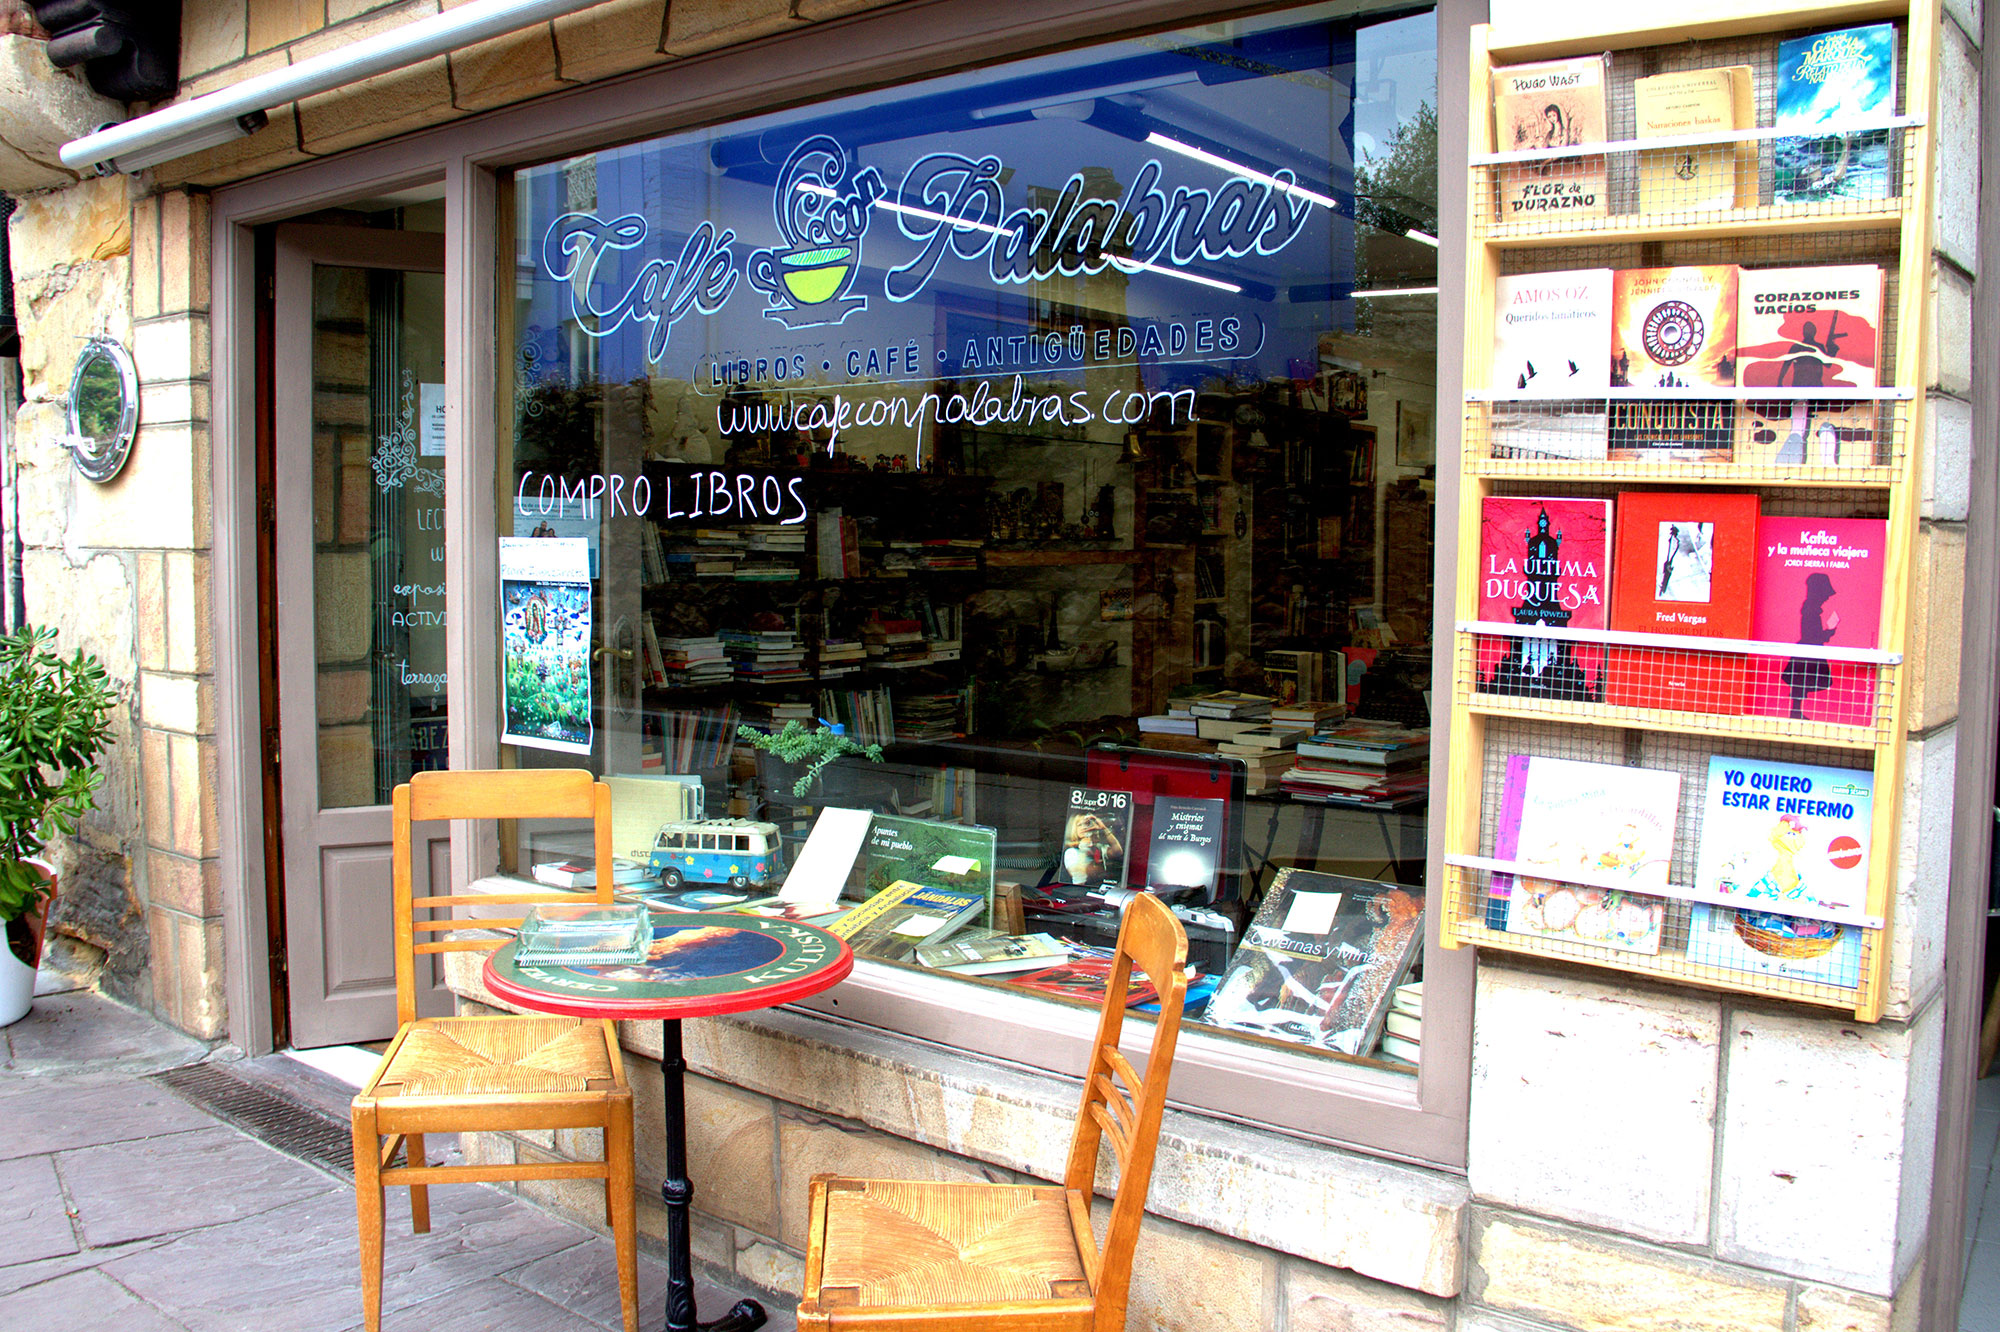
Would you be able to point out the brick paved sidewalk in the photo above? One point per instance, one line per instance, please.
(126, 1208)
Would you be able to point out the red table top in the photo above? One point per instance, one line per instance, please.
(701, 964)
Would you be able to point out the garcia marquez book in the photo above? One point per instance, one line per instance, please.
(1825, 83)
(1554, 104)
(1787, 837)
(1544, 562)
(1321, 960)
(1819, 584)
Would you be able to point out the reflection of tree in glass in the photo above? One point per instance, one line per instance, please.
(100, 399)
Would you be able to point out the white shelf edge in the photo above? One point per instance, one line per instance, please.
(1675, 891)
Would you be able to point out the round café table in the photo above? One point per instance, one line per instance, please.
(699, 965)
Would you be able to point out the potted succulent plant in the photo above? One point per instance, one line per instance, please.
(55, 719)
(814, 747)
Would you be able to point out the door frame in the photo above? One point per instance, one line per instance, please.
(298, 250)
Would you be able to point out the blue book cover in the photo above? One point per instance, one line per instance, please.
(1828, 80)
(1772, 945)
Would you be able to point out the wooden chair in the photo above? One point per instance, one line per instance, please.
(487, 1074)
(888, 1254)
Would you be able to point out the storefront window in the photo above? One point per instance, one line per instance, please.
(1016, 422)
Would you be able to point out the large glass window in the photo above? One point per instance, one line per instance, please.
(1047, 426)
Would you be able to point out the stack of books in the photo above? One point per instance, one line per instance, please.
(1176, 720)
(701, 560)
(771, 553)
(769, 656)
(1311, 716)
(898, 643)
(694, 661)
(1362, 762)
(840, 656)
(926, 717)
(1267, 751)
(1403, 1029)
(1230, 705)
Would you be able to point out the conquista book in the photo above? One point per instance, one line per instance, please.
(1546, 563)
(1603, 833)
(1827, 81)
(1321, 960)
(1673, 328)
(1704, 176)
(1551, 340)
(1554, 104)
(1808, 328)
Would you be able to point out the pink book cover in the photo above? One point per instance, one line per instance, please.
(1507, 838)
(1543, 562)
(1819, 582)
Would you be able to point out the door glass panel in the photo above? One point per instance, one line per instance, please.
(378, 529)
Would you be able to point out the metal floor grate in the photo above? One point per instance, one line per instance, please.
(285, 1125)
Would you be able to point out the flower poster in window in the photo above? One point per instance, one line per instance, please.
(545, 643)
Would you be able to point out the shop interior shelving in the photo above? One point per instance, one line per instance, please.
(1896, 233)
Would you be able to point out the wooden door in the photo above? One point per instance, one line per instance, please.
(359, 556)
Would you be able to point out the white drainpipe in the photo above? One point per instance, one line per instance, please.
(229, 113)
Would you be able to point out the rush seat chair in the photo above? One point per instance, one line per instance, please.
(488, 1074)
(889, 1254)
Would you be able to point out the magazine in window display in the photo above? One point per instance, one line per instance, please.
(1320, 961)
(1831, 79)
(1789, 837)
(1544, 562)
(1186, 848)
(1684, 563)
(1095, 834)
(1702, 176)
(953, 856)
(1553, 104)
(545, 617)
(1819, 584)
(890, 925)
(1673, 328)
(1604, 833)
(995, 955)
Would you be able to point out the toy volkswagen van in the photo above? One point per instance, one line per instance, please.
(739, 852)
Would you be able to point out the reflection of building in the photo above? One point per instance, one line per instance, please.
(1665, 1133)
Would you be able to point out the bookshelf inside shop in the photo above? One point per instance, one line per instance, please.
(1695, 317)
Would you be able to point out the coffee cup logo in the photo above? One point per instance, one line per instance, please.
(822, 212)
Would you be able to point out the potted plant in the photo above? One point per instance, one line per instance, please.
(814, 747)
(55, 719)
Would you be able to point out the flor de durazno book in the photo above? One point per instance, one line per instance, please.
(1544, 562)
(1604, 833)
(1819, 584)
(1320, 960)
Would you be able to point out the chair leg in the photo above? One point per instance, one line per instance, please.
(420, 1194)
(621, 1206)
(368, 1215)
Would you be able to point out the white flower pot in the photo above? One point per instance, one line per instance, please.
(17, 987)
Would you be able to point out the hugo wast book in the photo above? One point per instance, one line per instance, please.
(1826, 82)
(1819, 584)
(1552, 340)
(1544, 562)
(1673, 328)
(1684, 563)
(1553, 104)
(1604, 834)
(1786, 837)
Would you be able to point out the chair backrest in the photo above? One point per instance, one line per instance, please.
(560, 793)
(1152, 940)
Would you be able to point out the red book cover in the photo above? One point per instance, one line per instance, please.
(1819, 582)
(1547, 562)
(1684, 563)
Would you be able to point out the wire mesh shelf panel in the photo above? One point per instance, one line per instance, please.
(1774, 182)
(1848, 442)
(1679, 940)
(1779, 696)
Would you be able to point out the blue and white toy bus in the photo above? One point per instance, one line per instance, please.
(739, 852)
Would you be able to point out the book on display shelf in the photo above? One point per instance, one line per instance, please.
(1705, 176)
(1186, 848)
(1544, 562)
(1684, 563)
(892, 923)
(1320, 961)
(1551, 104)
(1819, 583)
(1824, 82)
(1673, 328)
(1765, 943)
(1804, 328)
(1604, 832)
(997, 955)
(1788, 837)
(952, 856)
(1552, 342)
(1097, 829)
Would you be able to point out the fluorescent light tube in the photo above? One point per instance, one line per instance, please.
(1203, 155)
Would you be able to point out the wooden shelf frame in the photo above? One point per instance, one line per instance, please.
(1910, 218)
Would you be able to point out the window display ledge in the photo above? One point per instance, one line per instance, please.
(1396, 1223)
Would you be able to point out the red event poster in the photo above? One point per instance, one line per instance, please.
(1819, 582)
(1546, 562)
(1684, 563)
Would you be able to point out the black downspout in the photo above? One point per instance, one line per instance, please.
(15, 612)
